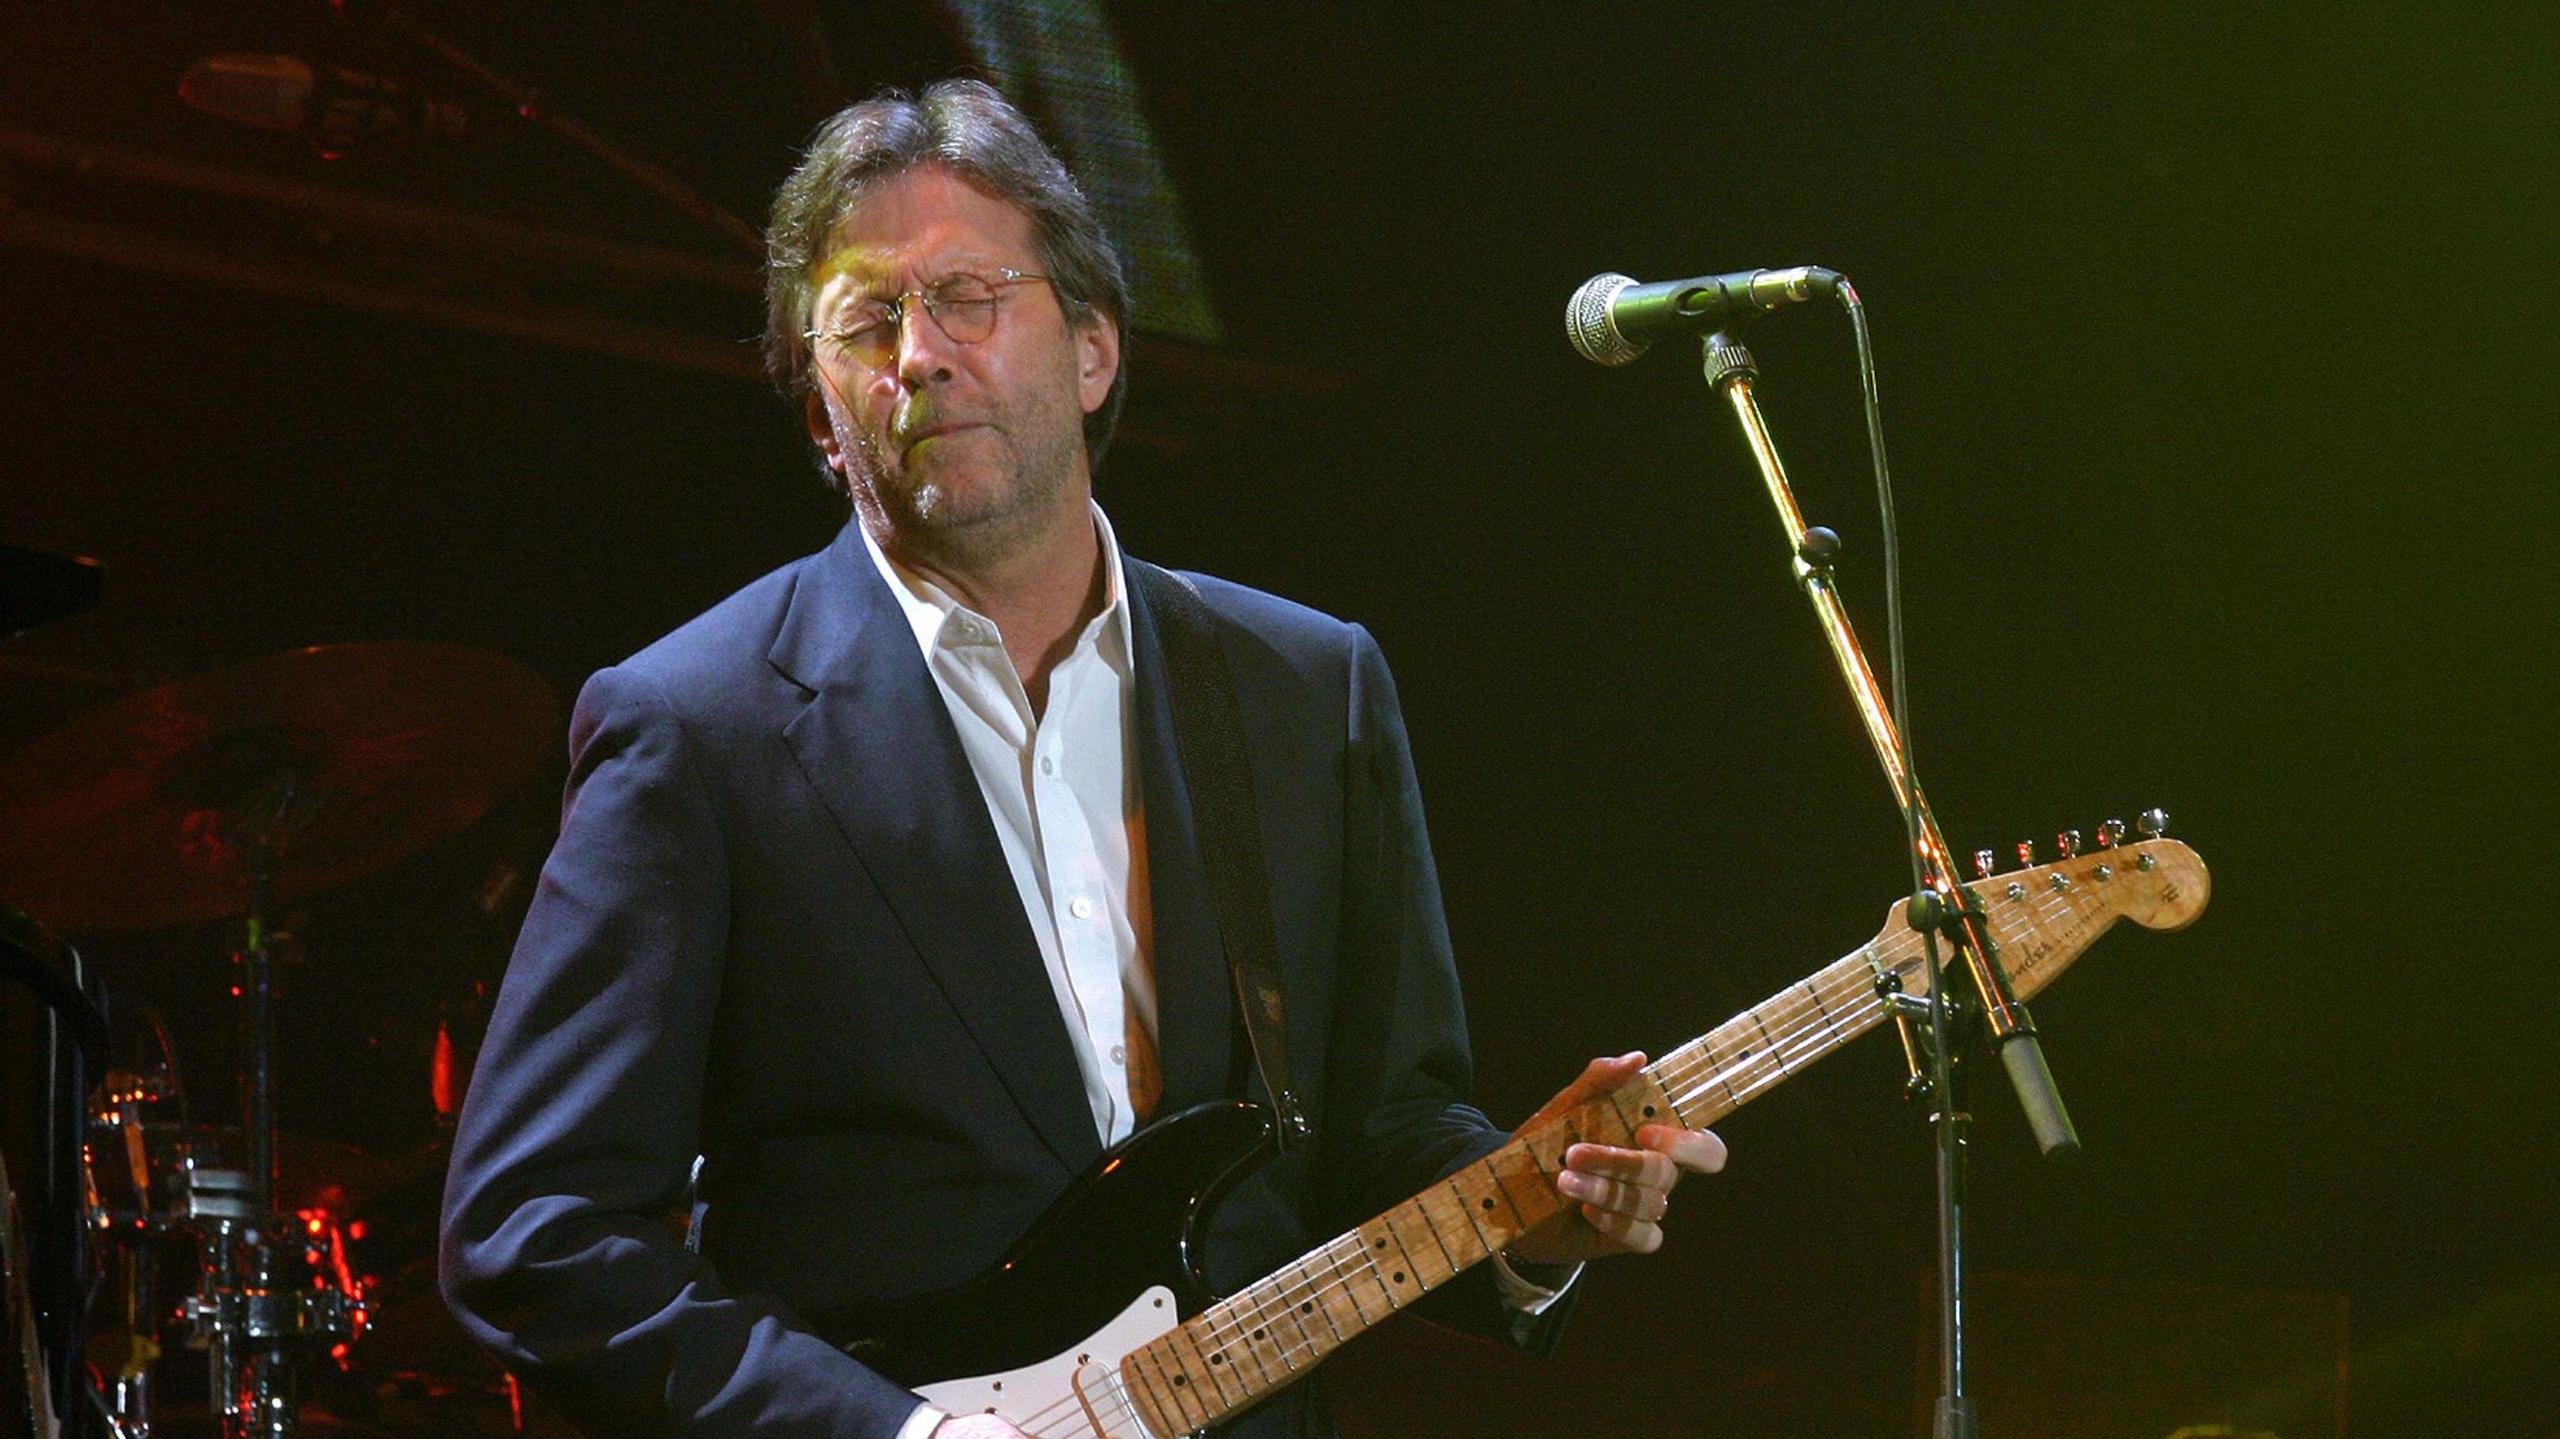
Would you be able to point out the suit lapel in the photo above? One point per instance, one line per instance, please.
(877, 744)
(1194, 1002)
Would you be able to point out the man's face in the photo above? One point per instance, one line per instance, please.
(945, 444)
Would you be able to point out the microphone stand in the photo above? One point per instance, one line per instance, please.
(1941, 908)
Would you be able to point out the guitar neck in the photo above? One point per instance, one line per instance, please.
(1242, 1349)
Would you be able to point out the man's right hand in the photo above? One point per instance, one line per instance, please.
(976, 1426)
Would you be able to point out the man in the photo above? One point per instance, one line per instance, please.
(878, 887)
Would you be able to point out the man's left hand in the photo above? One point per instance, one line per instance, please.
(1614, 1198)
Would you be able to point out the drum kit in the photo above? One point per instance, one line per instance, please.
(229, 799)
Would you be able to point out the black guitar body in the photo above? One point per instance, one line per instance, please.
(1130, 1223)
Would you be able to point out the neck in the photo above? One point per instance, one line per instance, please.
(1040, 591)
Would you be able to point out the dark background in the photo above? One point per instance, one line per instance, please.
(2216, 368)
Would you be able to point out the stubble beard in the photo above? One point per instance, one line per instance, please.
(1008, 505)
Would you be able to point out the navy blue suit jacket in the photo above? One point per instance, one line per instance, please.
(778, 932)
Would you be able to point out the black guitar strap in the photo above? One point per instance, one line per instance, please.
(1209, 729)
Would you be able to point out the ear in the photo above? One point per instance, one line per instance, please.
(1097, 359)
(822, 428)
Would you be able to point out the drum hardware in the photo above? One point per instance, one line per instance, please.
(264, 1303)
(226, 796)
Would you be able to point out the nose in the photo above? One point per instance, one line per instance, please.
(924, 352)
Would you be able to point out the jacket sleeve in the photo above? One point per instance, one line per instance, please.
(1402, 1071)
(570, 1168)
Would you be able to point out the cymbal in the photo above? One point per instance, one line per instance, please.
(334, 762)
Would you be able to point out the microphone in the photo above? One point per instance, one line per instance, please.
(1612, 319)
(336, 108)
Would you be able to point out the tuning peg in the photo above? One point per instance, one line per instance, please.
(2152, 822)
(2111, 834)
(2069, 843)
(1984, 861)
(2026, 854)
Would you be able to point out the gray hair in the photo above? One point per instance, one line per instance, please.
(965, 127)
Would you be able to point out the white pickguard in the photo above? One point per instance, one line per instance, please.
(1075, 1391)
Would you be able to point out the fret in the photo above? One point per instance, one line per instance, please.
(1313, 1302)
(1283, 1304)
(1484, 1241)
(1387, 1264)
(1266, 1327)
(1485, 1203)
(1716, 1068)
(1422, 1266)
(1239, 1343)
(1503, 1180)
(1177, 1385)
(1802, 1036)
(1457, 1245)
(1349, 1287)
(1754, 1063)
(1769, 1042)
(1824, 1011)
(1141, 1397)
(1239, 1351)
(1553, 1137)
(1365, 1250)
(1420, 1205)
(1253, 1306)
(1651, 1100)
(1209, 1379)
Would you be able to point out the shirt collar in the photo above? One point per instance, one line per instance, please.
(929, 608)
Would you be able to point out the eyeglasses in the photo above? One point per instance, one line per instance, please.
(963, 306)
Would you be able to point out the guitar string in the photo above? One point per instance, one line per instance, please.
(1806, 1038)
(1233, 1315)
(1852, 988)
(1851, 1010)
(1859, 1010)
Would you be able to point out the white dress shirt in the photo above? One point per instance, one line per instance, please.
(1061, 788)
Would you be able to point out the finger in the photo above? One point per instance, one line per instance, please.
(1602, 1075)
(1617, 1196)
(1597, 1078)
(1636, 1166)
(1697, 1150)
(1624, 1231)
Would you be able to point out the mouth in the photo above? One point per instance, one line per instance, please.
(918, 436)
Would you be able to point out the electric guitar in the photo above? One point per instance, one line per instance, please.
(1097, 1324)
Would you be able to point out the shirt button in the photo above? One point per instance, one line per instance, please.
(1048, 765)
(1081, 908)
(1119, 1054)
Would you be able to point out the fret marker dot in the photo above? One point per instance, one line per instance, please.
(1178, 1382)
(1399, 1276)
(1217, 1359)
(1257, 1334)
(1648, 1111)
(1307, 1308)
(1488, 1204)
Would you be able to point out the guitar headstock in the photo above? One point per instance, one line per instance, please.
(2044, 916)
